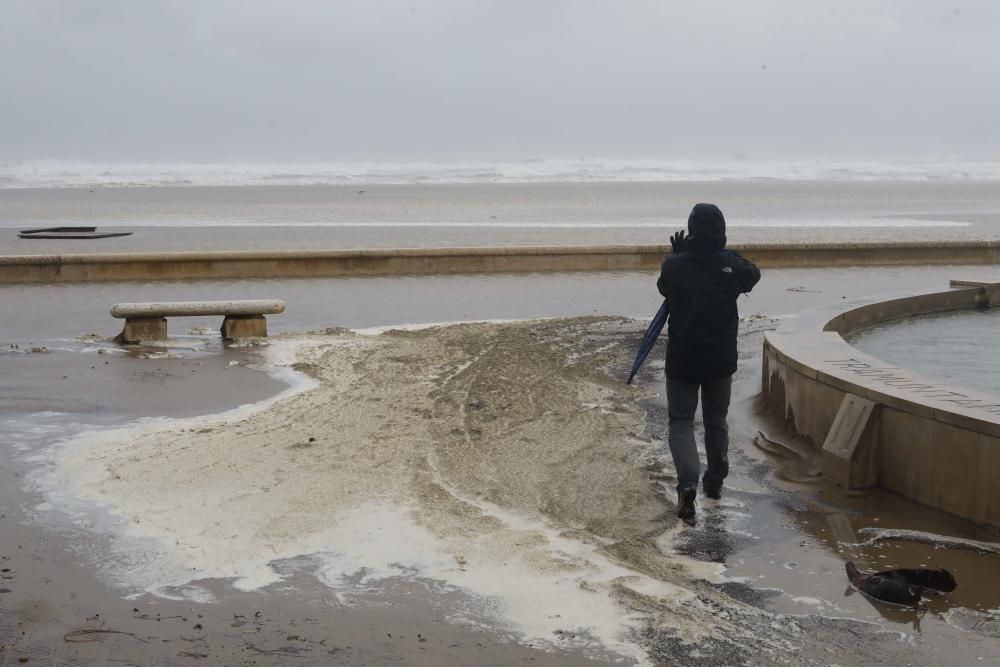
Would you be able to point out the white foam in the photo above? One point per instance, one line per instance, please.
(877, 535)
(190, 593)
(63, 173)
(806, 600)
(532, 604)
(140, 558)
(771, 223)
(46, 414)
(514, 593)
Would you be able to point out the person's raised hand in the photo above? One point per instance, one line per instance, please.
(678, 242)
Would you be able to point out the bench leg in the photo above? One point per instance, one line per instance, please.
(143, 328)
(244, 326)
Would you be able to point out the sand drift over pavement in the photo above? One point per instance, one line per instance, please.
(498, 459)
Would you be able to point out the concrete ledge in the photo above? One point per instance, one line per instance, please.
(274, 264)
(934, 443)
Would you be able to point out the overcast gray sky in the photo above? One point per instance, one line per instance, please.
(505, 79)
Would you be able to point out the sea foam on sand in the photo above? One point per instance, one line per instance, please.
(458, 455)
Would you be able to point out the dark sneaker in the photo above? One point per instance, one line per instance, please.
(685, 503)
(713, 491)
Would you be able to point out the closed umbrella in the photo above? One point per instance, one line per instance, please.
(649, 339)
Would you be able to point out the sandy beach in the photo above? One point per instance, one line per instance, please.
(278, 217)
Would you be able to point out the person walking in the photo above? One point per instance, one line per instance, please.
(701, 281)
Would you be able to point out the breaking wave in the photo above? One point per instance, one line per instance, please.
(60, 173)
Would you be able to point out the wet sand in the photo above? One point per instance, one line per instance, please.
(476, 215)
(463, 491)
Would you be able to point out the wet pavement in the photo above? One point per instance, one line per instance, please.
(783, 535)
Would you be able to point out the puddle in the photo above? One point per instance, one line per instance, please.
(805, 531)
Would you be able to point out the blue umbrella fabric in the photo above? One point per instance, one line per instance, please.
(649, 339)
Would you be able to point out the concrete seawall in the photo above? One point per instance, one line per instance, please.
(876, 424)
(289, 264)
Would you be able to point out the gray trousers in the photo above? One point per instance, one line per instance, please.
(682, 401)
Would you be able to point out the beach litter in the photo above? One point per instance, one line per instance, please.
(68, 233)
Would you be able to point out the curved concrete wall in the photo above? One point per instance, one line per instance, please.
(287, 264)
(874, 423)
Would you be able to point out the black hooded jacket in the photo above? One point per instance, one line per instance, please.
(701, 284)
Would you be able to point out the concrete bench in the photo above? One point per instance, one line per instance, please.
(148, 321)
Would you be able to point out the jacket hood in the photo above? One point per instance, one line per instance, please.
(706, 228)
